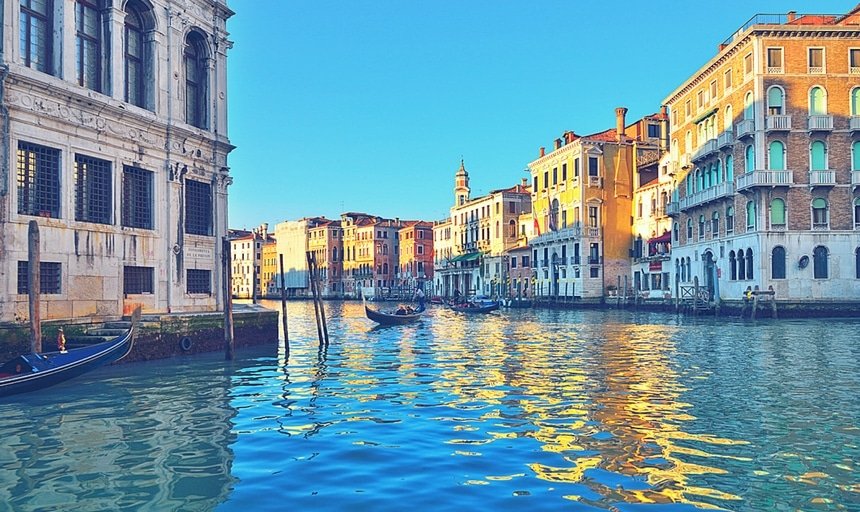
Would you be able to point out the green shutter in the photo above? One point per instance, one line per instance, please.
(818, 156)
(816, 102)
(776, 158)
(777, 211)
(856, 155)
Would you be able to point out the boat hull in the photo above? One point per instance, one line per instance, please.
(39, 371)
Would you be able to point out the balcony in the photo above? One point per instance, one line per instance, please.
(673, 208)
(764, 179)
(822, 178)
(706, 149)
(746, 128)
(721, 190)
(820, 123)
(778, 123)
(854, 123)
(855, 178)
(568, 233)
(727, 138)
(685, 160)
(592, 232)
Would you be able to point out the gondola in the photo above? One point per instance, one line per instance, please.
(389, 318)
(473, 307)
(31, 372)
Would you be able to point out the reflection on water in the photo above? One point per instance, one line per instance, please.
(544, 410)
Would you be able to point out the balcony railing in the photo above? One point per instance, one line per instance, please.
(855, 178)
(673, 208)
(719, 191)
(727, 138)
(778, 123)
(746, 128)
(854, 123)
(592, 232)
(595, 181)
(816, 70)
(822, 178)
(764, 179)
(820, 123)
(568, 233)
(709, 147)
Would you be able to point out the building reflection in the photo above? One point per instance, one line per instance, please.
(121, 444)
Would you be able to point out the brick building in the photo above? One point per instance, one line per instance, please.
(766, 157)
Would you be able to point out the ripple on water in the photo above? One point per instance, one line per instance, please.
(544, 410)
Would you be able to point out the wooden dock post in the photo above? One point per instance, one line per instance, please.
(34, 286)
(772, 294)
(284, 306)
(319, 310)
(228, 299)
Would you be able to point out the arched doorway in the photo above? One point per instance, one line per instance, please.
(710, 273)
(555, 272)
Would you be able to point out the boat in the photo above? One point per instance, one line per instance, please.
(31, 372)
(476, 307)
(391, 318)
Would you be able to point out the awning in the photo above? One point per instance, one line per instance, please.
(466, 257)
(665, 237)
(704, 116)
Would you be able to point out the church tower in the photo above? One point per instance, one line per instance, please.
(461, 187)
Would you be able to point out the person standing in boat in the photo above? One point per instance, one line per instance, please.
(419, 297)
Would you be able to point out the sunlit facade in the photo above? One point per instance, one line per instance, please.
(765, 144)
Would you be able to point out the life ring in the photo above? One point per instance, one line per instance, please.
(185, 343)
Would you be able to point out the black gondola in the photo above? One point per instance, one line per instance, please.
(392, 318)
(472, 307)
(31, 372)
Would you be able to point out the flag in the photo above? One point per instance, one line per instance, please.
(537, 227)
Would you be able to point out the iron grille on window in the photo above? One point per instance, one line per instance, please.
(198, 281)
(92, 190)
(35, 35)
(88, 44)
(50, 277)
(38, 180)
(136, 198)
(195, 81)
(198, 208)
(137, 280)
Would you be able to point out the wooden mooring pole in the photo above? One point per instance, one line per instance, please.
(228, 299)
(34, 286)
(284, 306)
(319, 310)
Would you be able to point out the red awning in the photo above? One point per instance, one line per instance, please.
(665, 237)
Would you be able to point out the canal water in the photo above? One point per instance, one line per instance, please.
(516, 410)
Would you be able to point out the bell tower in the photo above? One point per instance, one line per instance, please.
(461, 186)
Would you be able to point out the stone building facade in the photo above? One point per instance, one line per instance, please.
(113, 138)
(766, 149)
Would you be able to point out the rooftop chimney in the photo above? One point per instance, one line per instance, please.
(525, 182)
(620, 112)
(792, 15)
(557, 143)
(664, 128)
(542, 151)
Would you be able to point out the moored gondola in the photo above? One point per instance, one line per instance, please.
(31, 372)
(392, 318)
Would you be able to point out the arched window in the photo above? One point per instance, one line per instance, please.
(716, 171)
(733, 270)
(512, 228)
(817, 101)
(688, 142)
(137, 57)
(728, 120)
(775, 101)
(777, 263)
(857, 263)
(88, 44)
(707, 176)
(196, 80)
(819, 262)
(742, 272)
(749, 153)
(730, 220)
(749, 264)
(689, 230)
(689, 270)
(750, 215)
(700, 180)
(855, 156)
(776, 156)
(855, 101)
(748, 106)
(817, 156)
(715, 224)
(675, 234)
(701, 226)
(35, 36)
(730, 168)
(334, 254)
(857, 213)
(689, 179)
(777, 214)
(819, 213)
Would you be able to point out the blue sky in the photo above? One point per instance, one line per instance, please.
(359, 105)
